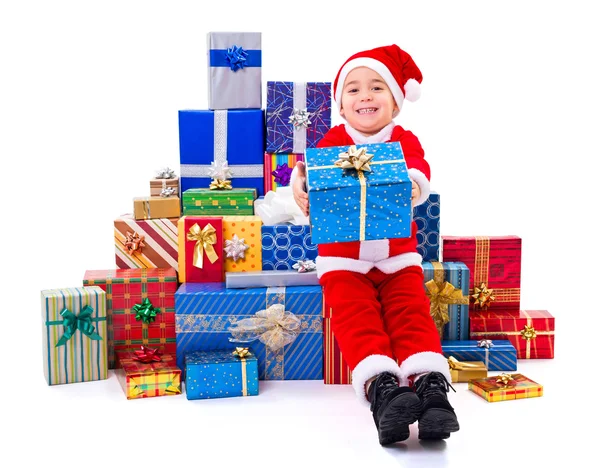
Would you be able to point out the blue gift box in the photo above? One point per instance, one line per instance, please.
(205, 311)
(235, 137)
(349, 205)
(427, 217)
(284, 245)
(298, 115)
(220, 374)
(457, 274)
(502, 356)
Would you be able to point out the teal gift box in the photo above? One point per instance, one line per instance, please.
(346, 204)
(499, 355)
(220, 374)
(207, 313)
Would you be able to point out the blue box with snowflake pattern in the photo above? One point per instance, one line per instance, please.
(427, 218)
(283, 245)
(348, 204)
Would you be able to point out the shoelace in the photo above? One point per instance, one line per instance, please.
(432, 383)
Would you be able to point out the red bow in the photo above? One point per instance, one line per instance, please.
(147, 355)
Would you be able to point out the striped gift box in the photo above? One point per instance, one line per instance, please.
(516, 388)
(145, 244)
(502, 356)
(70, 354)
(145, 380)
(495, 264)
(124, 289)
(284, 162)
(205, 311)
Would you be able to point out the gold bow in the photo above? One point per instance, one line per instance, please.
(441, 294)
(504, 379)
(220, 184)
(457, 365)
(528, 333)
(241, 352)
(483, 296)
(355, 159)
(275, 327)
(205, 239)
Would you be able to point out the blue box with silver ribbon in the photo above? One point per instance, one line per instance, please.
(285, 245)
(221, 145)
(221, 374)
(498, 355)
(283, 326)
(360, 192)
(234, 70)
(427, 217)
(298, 115)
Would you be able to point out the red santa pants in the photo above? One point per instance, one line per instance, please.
(382, 323)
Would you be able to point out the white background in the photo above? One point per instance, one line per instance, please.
(89, 94)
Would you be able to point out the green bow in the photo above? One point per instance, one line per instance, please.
(145, 311)
(81, 322)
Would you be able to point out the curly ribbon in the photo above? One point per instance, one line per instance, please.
(274, 326)
(219, 184)
(134, 242)
(242, 353)
(82, 322)
(147, 355)
(504, 379)
(205, 239)
(145, 311)
(482, 296)
(300, 118)
(236, 57)
(441, 294)
(282, 174)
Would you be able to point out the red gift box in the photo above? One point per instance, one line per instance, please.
(531, 332)
(124, 289)
(201, 236)
(495, 266)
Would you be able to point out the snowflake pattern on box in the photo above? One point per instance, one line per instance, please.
(280, 106)
(427, 217)
(284, 245)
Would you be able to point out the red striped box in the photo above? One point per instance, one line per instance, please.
(272, 161)
(150, 243)
(531, 332)
(495, 266)
(124, 289)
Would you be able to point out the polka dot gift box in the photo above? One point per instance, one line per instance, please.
(241, 243)
(358, 192)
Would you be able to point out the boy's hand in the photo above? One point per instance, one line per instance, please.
(300, 195)
(416, 193)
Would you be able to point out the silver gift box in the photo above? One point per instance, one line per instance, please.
(269, 279)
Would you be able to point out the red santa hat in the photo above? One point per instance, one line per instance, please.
(395, 66)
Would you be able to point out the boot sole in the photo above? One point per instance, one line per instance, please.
(399, 413)
(437, 423)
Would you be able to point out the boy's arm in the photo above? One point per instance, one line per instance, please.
(418, 167)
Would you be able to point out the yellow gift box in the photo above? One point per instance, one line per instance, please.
(248, 229)
(506, 387)
(467, 370)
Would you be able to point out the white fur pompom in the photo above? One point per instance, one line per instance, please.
(412, 90)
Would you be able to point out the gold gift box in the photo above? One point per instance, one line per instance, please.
(471, 370)
(156, 207)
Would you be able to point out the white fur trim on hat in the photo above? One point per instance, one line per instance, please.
(370, 367)
(423, 183)
(427, 361)
(374, 65)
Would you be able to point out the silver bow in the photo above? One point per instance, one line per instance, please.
(167, 192)
(219, 170)
(304, 266)
(485, 344)
(235, 248)
(165, 173)
(300, 118)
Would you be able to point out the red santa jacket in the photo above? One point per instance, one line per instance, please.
(390, 255)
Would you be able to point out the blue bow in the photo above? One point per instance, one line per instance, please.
(236, 56)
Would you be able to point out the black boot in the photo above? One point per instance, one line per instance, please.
(437, 418)
(394, 408)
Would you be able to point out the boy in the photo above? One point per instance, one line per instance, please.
(380, 312)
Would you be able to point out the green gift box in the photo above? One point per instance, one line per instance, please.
(205, 202)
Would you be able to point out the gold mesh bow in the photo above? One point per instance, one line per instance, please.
(441, 294)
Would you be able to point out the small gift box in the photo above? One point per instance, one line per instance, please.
(220, 374)
(284, 245)
(207, 202)
(165, 184)
(221, 145)
(75, 335)
(278, 169)
(234, 70)
(271, 278)
(358, 193)
(298, 115)
(495, 265)
(427, 218)
(506, 387)
(147, 373)
(531, 332)
(447, 287)
(200, 249)
(463, 371)
(497, 355)
(140, 308)
(148, 243)
(241, 243)
(156, 207)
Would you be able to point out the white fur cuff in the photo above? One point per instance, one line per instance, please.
(426, 361)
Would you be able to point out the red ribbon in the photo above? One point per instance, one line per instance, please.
(147, 355)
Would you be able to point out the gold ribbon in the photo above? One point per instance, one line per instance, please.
(220, 184)
(205, 239)
(242, 353)
(441, 294)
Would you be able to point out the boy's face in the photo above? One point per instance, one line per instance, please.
(367, 102)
